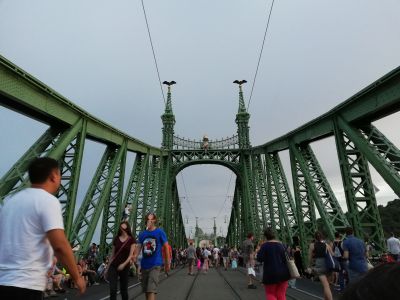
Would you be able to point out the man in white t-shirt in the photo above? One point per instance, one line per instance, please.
(31, 231)
(216, 257)
(393, 245)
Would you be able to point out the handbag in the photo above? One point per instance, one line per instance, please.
(332, 264)
(251, 272)
(234, 264)
(293, 271)
(369, 265)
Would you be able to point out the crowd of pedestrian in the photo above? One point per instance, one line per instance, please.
(34, 270)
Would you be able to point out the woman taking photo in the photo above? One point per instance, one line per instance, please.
(275, 271)
(122, 253)
(317, 251)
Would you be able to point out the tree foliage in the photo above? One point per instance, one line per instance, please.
(390, 217)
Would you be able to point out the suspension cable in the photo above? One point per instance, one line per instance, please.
(154, 54)
(259, 58)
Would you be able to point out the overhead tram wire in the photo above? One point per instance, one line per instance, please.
(226, 197)
(259, 58)
(154, 54)
(186, 196)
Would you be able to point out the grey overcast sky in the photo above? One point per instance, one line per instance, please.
(97, 54)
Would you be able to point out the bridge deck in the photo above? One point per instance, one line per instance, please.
(217, 284)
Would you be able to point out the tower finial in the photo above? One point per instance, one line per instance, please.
(242, 119)
(242, 106)
(168, 105)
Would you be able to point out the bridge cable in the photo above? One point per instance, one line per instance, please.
(154, 54)
(259, 58)
(187, 198)
(226, 197)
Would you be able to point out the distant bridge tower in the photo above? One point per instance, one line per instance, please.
(215, 233)
(168, 120)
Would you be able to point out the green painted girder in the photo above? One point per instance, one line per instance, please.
(359, 191)
(52, 143)
(282, 204)
(16, 177)
(275, 208)
(94, 202)
(135, 194)
(251, 216)
(236, 222)
(112, 211)
(261, 190)
(241, 223)
(327, 199)
(174, 217)
(25, 94)
(155, 174)
(134, 181)
(376, 101)
(71, 163)
(282, 195)
(383, 155)
(184, 158)
(233, 228)
(305, 209)
(320, 190)
(164, 190)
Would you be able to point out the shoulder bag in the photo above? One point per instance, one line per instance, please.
(294, 273)
(332, 264)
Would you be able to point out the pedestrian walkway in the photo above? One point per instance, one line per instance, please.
(216, 284)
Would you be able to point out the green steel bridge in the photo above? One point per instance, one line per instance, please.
(262, 194)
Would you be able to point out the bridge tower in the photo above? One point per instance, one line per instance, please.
(215, 233)
(168, 120)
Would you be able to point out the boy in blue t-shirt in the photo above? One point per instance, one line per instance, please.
(150, 242)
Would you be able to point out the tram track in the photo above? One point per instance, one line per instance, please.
(166, 276)
(289, 296)
(232, 289)
(229, 284)
(189, 293)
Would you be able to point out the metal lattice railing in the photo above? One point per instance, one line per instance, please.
(186, 144)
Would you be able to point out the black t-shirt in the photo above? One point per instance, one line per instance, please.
(319, 249)
(225, 252)
(122, 254)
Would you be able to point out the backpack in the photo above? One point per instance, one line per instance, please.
(337, 249)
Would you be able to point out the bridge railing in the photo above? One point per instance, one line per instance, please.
(180, 143)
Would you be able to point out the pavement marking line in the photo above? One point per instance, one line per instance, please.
(307, 293)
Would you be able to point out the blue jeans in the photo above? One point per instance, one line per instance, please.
(343, 269)
(354, 276)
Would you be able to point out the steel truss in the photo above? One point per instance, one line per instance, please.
(281, 204)
(360, 195)
(262, 196)
(97, 196)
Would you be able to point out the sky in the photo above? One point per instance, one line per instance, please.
(97, 54)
